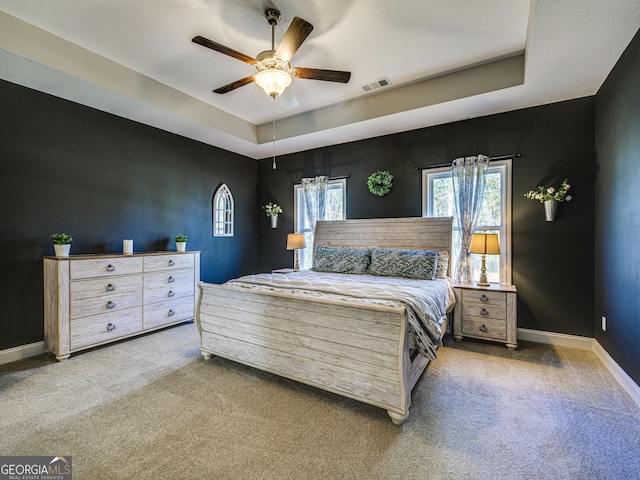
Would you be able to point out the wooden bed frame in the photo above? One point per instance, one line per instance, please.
(349, 348)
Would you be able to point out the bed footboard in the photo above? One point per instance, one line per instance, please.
(349, 348)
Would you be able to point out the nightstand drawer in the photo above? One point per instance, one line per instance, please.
(484, 298)
(485, 328)
(493, 312)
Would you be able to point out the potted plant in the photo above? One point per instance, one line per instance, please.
(61, 244)
(550, 197)
(272, 210)
(181, 242)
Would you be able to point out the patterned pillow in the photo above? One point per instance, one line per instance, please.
(341, 260)
(442, 268)
(420, 264)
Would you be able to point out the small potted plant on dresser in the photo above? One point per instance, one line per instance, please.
(181, 242)
(61, 244)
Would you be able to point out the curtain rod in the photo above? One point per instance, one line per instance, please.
(499, 157)
(330, 178)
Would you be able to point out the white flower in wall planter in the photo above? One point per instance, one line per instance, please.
(380, 182)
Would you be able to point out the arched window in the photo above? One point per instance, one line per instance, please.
(223, 212)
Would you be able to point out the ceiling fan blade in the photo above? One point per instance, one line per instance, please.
(237, 84)
(289, 98)
(297, 32)
(319, 74)
(205, 42)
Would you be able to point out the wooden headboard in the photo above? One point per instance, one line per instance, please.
(412, 233)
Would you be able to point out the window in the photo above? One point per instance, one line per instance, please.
(336, 208)
(223, 212)
(495, 215)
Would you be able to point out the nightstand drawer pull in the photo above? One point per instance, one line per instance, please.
(484, 298)
(484, 312)
(110, 305)
(171, 263)
(483, 328)
(111, 268)
(110, 288)
(171, 313)
(111, 327)
(171, 280)
(170, 294)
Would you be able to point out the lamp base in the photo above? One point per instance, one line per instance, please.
(483, 282)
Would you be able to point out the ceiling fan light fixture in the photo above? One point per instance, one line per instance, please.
(273, 81)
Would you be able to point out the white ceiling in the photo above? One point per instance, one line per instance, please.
(446, 60)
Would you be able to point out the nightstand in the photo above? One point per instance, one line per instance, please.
(489, 313)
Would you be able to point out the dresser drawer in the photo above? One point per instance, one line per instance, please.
(104, 267)
(168, 262)
(170, 292)
(164, 313)
(495, 312)
(105, 287)
(484, 298)
(485, 328)
(104, 328)
(108, 305)
(168, 279)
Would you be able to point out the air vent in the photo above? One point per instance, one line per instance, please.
(382, 82)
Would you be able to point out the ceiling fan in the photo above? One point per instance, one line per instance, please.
(274, 70)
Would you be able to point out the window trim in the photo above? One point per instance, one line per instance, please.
(505, 238)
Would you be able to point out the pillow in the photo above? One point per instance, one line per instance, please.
(442, 267)
(341, 260)
(420, 264)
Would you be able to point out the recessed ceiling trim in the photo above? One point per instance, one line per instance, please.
(489, 77)
(43, 47)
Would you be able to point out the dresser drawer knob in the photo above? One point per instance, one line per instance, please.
(484, 312)
(111, 327)
(171, 264)
(110, 305)
(110, 288)
(171, 313)
(483, 328)
(170, 294)
(111, 268)
(484, 298)
(171, 280)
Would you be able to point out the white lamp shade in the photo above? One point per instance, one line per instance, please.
(273, 81)
(296, 241)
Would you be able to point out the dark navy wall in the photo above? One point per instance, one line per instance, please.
(552, 261)
(617, 247)
(69, 168)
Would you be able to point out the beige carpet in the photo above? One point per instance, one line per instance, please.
(152, 408)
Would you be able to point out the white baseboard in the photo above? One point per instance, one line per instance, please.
(585, 343)
(552, 338)
(618, 373)
(21, 351)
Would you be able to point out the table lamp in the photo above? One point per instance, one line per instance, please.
(484, 244)
(296, 241)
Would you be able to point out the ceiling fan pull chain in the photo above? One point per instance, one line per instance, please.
(274, 132)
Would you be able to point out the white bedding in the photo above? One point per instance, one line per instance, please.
(427, 301)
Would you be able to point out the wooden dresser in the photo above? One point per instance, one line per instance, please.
(489, 313)
(90, 300)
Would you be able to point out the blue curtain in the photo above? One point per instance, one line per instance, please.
(469, 178)
(314, 191)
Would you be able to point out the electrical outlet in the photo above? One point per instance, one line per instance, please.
(604, 323)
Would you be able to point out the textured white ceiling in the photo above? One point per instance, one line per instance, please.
(446, 59)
